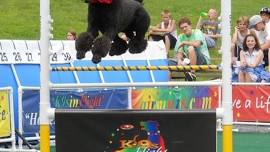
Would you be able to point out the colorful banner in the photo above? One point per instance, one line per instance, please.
(5, 128)
(95, 99)
(251, 103)
(135, 131)
(175, 98)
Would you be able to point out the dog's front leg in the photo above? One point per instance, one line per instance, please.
(102, 45)
(84, 42)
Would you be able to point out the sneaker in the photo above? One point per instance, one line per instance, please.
(190, 76)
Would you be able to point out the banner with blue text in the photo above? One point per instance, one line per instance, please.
(94, 99)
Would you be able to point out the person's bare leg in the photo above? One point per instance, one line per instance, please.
(167, 43)
(192, 55)
(248, 78)
(241, 76)
(268, 60)
(234, 59)
(179, 58)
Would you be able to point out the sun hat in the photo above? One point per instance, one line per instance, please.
(254, 20)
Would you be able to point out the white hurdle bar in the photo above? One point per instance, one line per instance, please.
(137, 84)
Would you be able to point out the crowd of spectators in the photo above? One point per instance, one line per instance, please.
(191, 46)
(250, 64)
(250, 43)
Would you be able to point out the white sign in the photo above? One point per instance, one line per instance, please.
(32, 57)
(27, 52)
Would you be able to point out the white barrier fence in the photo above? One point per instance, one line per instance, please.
(106, 86)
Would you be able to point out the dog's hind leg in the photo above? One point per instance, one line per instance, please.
(138, 43)
(119, 46)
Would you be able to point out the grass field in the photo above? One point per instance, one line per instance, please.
(20, 18)
(249, 142)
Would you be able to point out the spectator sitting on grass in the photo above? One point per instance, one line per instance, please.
(165, 30)
(240, 32)
(265, 14)
(190, 44)
(258, 26)
(251, 61)
(210, 28)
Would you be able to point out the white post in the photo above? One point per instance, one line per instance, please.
(11, 105)
(226, 75)
(20, 115)
(45, 27)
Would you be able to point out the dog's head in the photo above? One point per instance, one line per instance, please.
(83, 44)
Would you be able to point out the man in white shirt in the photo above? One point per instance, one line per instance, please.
(265, 14)
(257, 24)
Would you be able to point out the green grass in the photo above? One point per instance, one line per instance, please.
(20, 18)
(247, 142)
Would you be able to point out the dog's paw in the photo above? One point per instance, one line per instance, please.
(83, 44)
(102, 46)
(136, 46)
(119, 47)
(96, 59)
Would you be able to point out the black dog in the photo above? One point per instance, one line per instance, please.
(111, 17)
